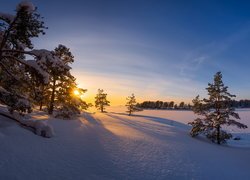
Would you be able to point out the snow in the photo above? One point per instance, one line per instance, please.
(44, 56)
(34, 65)
(150, 144)
(29, 7)
(41, 127)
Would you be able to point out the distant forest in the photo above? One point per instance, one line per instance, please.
(183, 106)
(241, 103)
(163, 105)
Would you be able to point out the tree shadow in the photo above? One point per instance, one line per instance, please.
(90, 119)
(158, 131)
(101, 144)
(157, 119)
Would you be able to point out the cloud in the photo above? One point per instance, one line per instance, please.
(207, 54)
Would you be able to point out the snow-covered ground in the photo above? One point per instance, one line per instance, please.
(151, 144)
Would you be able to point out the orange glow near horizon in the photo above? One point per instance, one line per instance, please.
(118, 90)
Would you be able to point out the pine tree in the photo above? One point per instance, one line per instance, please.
(17, 73)
(59, 72)
(181, 105)
(215, 112)
(131, 104)
(101, 100)
(70, 103)
(171, 105)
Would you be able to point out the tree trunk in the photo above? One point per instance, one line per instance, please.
(41, 105)
(41, 102)
(102, 108)
(130, 112)
(52, 99)
(218, 135)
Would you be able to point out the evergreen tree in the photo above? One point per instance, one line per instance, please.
(181, 105)
(131, 104)
(101, 100)
(165, 105)
(59, 73)
(18, 73)
(40, 80)
(171, 104)
(62, 84)
(215, 112)
(70, 103)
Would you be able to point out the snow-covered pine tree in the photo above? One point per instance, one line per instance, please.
(59, 72)
(101, 100)
(62, 84)
(70, 100)
(215, 112)
(16, 32)
(131, 105)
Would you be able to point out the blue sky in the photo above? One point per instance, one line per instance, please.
(166, 50)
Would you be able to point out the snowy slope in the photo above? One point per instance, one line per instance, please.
(115, 146)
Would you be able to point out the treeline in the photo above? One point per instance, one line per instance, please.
(183, 106)
(163, 105)
(245, 103)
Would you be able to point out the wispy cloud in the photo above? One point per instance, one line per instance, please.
(207, 54)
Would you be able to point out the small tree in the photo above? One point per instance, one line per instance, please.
(101, 100)
(131, 104)
(181, 105)
(171, 104)
(59, 73)
(215, 112)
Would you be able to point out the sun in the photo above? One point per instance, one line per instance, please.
(76, 92)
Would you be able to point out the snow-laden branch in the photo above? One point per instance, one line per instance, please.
(39, 127)
(7, 70)
(42, 56)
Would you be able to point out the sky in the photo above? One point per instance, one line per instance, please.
(157, 49)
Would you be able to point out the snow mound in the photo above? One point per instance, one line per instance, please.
(41, 127)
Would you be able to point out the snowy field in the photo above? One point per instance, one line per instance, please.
(152, 144)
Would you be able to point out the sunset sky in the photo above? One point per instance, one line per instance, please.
(166, 50)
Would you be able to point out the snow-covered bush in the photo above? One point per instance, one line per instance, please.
(71, 107)
(67, 112)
